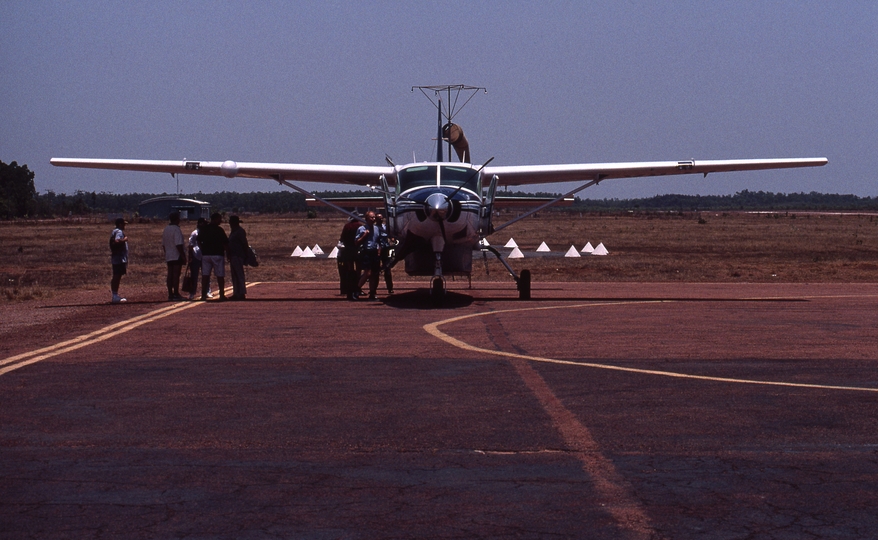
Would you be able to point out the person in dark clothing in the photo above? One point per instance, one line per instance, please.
(347, 257)
(214, 244)
(238, 247)
(118, 258)
(385, 250)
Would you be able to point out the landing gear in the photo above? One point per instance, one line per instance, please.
(437, 290)
(524, 285)
(522, 281)
(437, 285)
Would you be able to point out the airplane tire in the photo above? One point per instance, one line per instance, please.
(524, 285)
(437, 291)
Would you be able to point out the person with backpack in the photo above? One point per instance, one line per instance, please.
(118, 258)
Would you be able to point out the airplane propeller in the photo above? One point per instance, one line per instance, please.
(437, 207)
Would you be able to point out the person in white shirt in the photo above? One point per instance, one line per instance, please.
(195, 261)
(175, 255)
(119, 258)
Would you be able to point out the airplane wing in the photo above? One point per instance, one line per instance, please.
(509, 175)
(333, 174)
(544, 174)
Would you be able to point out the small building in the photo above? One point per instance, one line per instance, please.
(161, 207)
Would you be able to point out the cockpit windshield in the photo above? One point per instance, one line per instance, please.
(450, 176)
(413, 177)
(460, 176)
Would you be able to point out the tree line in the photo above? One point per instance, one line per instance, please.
(742, 200)
(288, 202)
(18, 198)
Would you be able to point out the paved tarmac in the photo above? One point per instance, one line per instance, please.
(593, 411)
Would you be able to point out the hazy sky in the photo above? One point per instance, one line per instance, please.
(330, 82)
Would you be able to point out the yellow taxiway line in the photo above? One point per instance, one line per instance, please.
(25, 359)
(610, 485)
(433, 330)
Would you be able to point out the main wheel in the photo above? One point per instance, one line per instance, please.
(524, 285)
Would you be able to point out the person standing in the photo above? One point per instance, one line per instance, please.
(214, 245)
(195, 260)
(118, 258)
(175, 255)
(238, 247)
(347, 258)
(385, 247)
(369, 262)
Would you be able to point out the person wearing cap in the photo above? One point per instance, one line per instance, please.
(238, 246)
(118, 258)
(214, 244)
(175, 255)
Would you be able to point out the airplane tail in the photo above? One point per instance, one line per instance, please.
(439, 135)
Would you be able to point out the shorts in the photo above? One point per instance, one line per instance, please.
(120, 269)
(217, 263)
(368, 257)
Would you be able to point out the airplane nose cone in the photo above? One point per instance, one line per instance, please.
(436, 207)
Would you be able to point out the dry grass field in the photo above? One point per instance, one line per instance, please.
(46, 259)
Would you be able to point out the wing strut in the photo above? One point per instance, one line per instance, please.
(280, 180)
(596, 180)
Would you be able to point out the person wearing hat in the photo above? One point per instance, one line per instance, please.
(238, 246)
(118, 258)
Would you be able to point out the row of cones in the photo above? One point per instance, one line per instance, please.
(544, 248)
(515, 254)
(313, 252)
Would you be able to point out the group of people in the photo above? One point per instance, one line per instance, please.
(364, 253)
(208, 248)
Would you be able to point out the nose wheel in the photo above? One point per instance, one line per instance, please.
(437, 290)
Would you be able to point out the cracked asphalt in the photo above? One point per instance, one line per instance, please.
(726, 411)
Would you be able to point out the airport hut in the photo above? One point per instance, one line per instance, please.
(161, 207)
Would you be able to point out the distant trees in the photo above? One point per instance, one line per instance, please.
(743, 200)
(17, 192)
(19, 199)
(84, 203)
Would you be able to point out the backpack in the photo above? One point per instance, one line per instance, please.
(116, 247)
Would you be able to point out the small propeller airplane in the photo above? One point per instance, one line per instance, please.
(440, 212)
